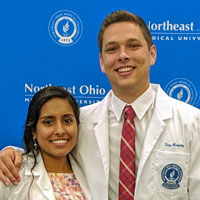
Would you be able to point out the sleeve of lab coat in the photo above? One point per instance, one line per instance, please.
(194, 168)
(20, 150)
(3, 191)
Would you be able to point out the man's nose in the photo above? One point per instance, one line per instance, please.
(123, 55)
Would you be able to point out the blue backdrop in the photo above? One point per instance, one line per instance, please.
(55, 43)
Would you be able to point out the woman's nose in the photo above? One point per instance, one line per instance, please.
(59, 129)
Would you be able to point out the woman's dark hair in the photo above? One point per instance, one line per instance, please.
(38, 100)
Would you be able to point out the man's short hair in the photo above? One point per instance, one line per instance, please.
(124, 16)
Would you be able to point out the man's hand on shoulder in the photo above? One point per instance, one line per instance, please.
(10, 163)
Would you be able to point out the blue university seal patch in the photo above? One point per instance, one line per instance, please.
(65, 27)
(182, 89)
(171, 175)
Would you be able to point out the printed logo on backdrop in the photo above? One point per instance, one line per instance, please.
(65, 27)
(173, 31)
(183, 90)
(84, 94)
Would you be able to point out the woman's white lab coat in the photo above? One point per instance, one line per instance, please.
(40, 188)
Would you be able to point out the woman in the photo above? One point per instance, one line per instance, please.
(49, 136)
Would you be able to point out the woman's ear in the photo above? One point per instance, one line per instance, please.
(34, 134)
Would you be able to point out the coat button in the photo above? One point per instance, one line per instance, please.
(47, 187)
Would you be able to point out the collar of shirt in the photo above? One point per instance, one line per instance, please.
(140, 105)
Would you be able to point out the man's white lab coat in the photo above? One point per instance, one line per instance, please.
(169, 166)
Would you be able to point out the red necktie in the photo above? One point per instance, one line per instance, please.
(127, 156)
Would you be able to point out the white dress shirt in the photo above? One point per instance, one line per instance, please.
(143, 107)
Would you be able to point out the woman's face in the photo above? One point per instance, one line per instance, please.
(56, 129)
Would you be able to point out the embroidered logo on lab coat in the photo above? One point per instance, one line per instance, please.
(171, 175)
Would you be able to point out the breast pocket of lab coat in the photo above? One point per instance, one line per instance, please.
(170, 173)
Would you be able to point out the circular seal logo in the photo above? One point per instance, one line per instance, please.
(65, 27)
(182, 89)
(171, 175)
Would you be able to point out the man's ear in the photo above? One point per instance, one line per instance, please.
(101, 63)
(153, 55)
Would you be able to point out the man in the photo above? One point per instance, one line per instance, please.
(167, 140)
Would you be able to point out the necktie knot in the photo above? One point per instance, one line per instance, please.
(129, 113)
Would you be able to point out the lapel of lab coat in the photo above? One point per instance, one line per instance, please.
(92, 152)
(80, 177)
(101, 131)
(162, 112)
(42, 184)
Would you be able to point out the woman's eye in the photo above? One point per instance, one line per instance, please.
(48, 122)
(67, 121)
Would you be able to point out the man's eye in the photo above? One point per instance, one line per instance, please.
(131, 46)
(110, 49)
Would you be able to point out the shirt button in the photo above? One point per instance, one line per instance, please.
(47, 187)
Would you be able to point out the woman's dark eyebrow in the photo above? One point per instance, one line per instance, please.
(51, 116)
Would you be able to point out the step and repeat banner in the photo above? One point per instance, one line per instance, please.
(55, 43)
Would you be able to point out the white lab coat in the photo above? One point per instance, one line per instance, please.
(169, 167)
(41, 188)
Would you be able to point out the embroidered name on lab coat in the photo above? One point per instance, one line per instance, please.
(173, 145)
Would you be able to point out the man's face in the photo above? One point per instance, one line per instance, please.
(126, 58)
